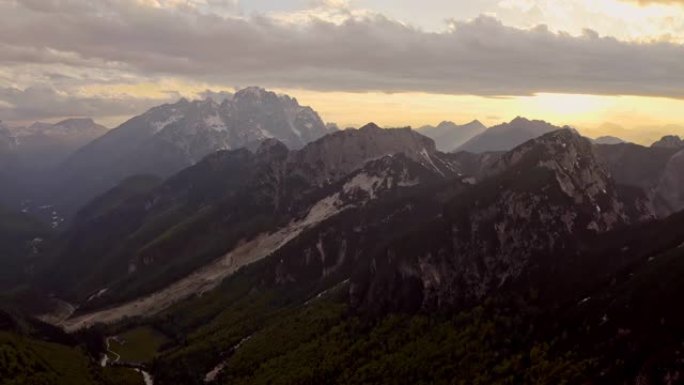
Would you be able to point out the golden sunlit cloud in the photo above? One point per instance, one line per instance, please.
(161, 90)
(624, 19)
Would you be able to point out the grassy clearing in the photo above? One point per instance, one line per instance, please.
(123, 376)
(138, 345)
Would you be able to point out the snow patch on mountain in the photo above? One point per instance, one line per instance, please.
(215, 123)
(162, 124)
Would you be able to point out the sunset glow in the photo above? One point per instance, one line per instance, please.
(583, 79)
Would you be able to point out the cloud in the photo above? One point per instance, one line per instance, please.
(37, 103)
(217, 96)
(359, 53)
(651, 2)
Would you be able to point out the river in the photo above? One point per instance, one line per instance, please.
(147, 377)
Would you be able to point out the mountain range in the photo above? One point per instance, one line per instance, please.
(378, 228)
(41, 145)
(151, 237)
(448, 136)
(29, 156)
(170, 137)
(245, 241)
(608, 140)
(506, 136)
(669, 141)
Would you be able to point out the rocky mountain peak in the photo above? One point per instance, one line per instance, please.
(253, 92)
(563, 161)
(73, 126)
(569, 159)
(556, 143)
(669, 141)
(449, 125)
(449, 135)
(520, 120)
(170, 137)
(76, 122)
(370, 126)
(272, 148)
(538, 200)
(339, 153)
(258, 95)
(205, 103)
(530, 124)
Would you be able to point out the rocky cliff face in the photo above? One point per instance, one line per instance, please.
(670, 190)
(387, 197)
(540, 199)
(568, 158)
(340, 153)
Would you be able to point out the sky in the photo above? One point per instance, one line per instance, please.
(606, 67)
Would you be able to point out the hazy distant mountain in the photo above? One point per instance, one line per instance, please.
(655, 170)
(634, 165)
(670, 190)
(449, 135)
(669, 141)
(29, 156)
(44, 145)
(171, 137)
(506, 136)
(608, 140)
(69, 130)
(635, 134)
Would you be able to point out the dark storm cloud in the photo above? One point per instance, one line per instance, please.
(374, 53)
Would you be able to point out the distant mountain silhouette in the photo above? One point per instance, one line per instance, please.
(506, 136)
(448, 136)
